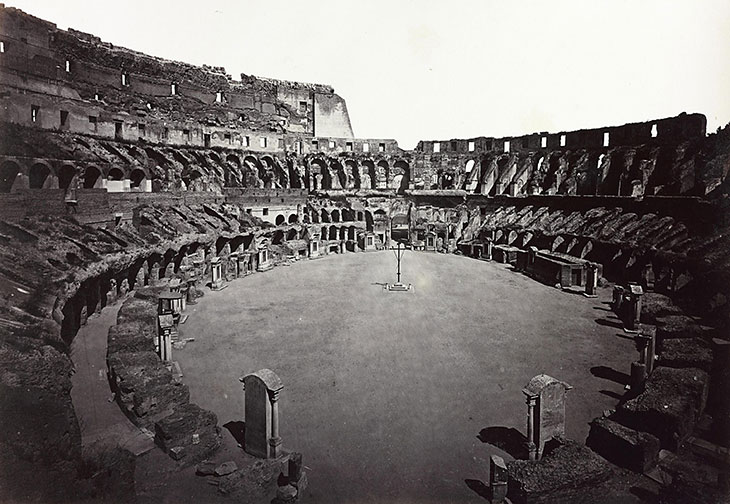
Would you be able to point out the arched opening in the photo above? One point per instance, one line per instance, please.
(399, 228)
(333, 233)
(471, 176)
(232, 172)
(353, 173)
(291, 234)
(39, 176)
(293, 219)
(360, 216)
(280, 219)
(137, 180)
(369, 168)
(8, 173)
(277, 238)
(320, 175)
(325, 216)
(253, 172)
(65, 176)
(404, 170)
(339, 181)
(115, 180)
(383, 174)
(343, 233)
(335, 215)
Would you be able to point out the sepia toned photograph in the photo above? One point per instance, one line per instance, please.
(386, 252)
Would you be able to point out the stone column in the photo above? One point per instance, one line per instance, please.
(634, 310)
(275, 440)
(497, 479)
(531, 446)
(488, 255)
(591, 279)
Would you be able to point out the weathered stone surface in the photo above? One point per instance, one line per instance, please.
(285, 494)
(177, 429)
(225, 468)
(655, 305)
(560, 476)
(130, 337)
(677, 326)
(669, 406)
(206, 468)
(143, 311)
(686, 353)
(638, 451)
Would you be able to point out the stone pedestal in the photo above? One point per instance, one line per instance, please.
(262, 390)
(216, 280)
(545, 412)
(165, 325)
(633, 311)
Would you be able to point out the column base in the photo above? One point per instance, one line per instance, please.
(275, 447)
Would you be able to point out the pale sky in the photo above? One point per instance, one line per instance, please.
(427, 69)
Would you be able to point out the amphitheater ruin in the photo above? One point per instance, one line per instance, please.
(197, 305)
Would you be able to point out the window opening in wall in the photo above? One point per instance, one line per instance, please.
(93, 122)
(281, 143)
(332, 144)
(562, 140)
(141, 129)
(249, 211)
(315, 145)
(246, 141)
(606, 138)
(436, 147)
(366, 147)
(118, 130)
(472, 146)
(2, 46)
(263, 142)
(186, 134)
(219, 97)
(227, 137)
(302, 107)
(206, 139)
(64, 117)
(68, 66)
(381, 147)
(265, 211)
(34, 109)
(165, 133)
(348, 146)
(654, 131)
(506, 146)
(125, 79)
(543, 142)
(173, 89)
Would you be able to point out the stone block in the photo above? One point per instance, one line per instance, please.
(177, 429)
(670, 405)
(225, 468)
(563, 475)
(206, 468)
(130, 337)
(625, 447)
(685, 353)
(655, 305)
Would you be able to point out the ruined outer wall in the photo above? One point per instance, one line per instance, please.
(330, 116)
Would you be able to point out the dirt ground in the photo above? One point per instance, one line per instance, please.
(386, 393)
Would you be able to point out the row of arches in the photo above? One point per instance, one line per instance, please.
(324, 174)
(324, 215)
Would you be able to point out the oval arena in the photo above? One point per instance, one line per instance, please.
(213, 291)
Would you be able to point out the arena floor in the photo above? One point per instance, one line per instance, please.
(386, 393)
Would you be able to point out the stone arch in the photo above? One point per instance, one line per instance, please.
(321, 178)
(232, 176)
(402, 170)
(351, 233)
(368, 168)
(343, 233)
(67, 177)
(254, 172)
(137, 179)
(353, 174)
(280, 220)
(339, 179)
(40, 176)
(383, 174)
(335, 215)
(471, 178)
(293, 218)
(333, 233)
(325, 216)
(9, 171)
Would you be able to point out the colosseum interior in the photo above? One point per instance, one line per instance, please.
(199, 299)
